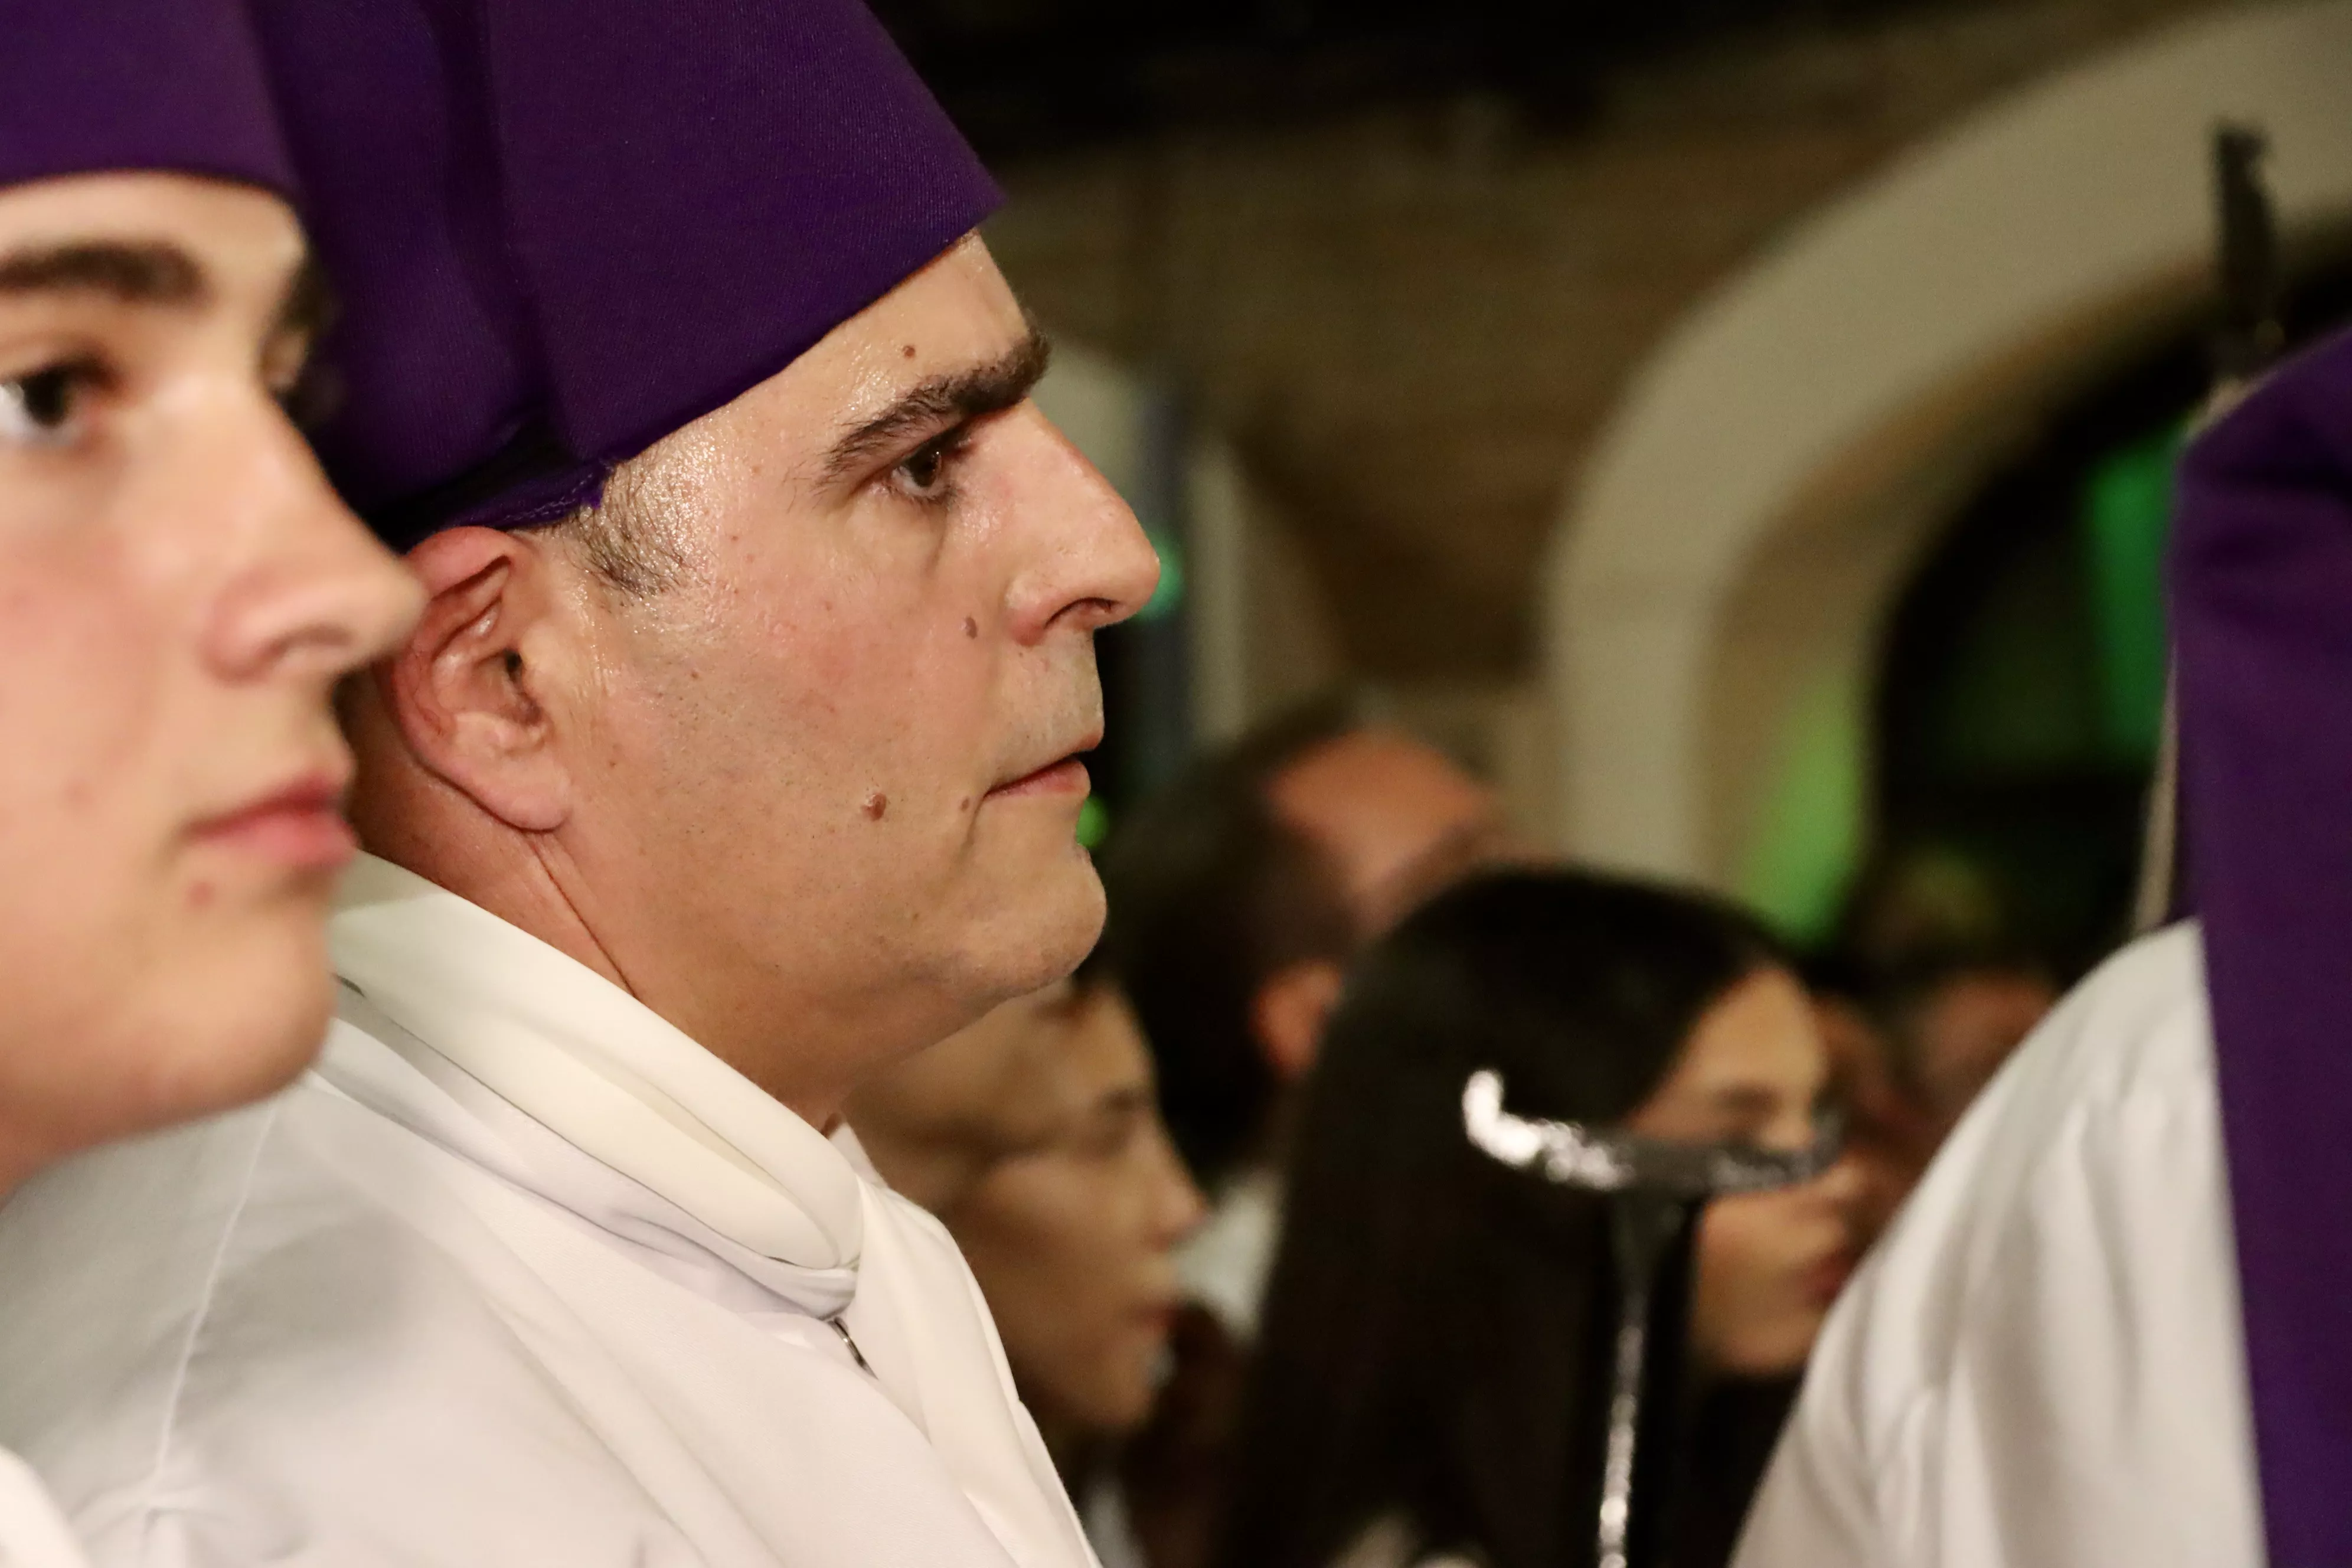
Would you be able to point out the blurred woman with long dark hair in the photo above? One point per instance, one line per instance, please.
(1437, 1336)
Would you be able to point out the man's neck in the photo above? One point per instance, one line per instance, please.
(810, 1065)
(511, 877)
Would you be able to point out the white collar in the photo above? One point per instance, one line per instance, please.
(596, 1066)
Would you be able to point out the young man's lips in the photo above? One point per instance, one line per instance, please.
(1067, 776)
(300, 826)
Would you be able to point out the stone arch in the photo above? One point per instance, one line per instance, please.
(1719, 579)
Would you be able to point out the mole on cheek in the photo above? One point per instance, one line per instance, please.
(970, 627)
(908, 352)
(876, 805)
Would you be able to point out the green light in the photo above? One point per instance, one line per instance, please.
(1166, 598)
(2127, 514)
(1094, 823)
(1809, 832)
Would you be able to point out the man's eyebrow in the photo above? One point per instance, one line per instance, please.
(143, 272)
(944, 402)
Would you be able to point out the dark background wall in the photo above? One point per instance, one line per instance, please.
(1406, 256)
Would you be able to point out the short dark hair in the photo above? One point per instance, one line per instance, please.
(1211, 894)
(624, 538)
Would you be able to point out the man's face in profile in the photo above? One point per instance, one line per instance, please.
(178, 590)
(842, 743)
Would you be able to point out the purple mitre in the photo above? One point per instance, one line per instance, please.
(2262, 605)
(563, 228)
(98, 86)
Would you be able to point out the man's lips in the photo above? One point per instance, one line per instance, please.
(1067, 776)
(299, 826)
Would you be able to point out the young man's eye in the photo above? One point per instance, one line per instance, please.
(46, 407)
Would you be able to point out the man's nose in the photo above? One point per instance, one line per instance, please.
(314, 596)
(1095, 566)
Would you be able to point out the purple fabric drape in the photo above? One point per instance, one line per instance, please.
(100, 85)
(2262, 606)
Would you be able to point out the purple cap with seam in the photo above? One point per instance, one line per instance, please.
(563, 228)
(2261, 607)
(103, 86)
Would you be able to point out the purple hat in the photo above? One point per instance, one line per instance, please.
(563, 228)
(92, 85)
(2262, 591)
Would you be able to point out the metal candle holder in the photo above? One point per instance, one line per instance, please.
(1656, 1189)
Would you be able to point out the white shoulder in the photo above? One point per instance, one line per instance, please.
(2138, 1027)
(2131, 1044)
(2043, 1361)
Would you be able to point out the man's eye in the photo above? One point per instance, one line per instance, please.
(927, 473)
(46, 407)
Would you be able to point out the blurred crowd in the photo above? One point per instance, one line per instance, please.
(1268, 1305)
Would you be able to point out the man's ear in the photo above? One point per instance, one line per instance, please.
(1289, 1011)
(471, 691)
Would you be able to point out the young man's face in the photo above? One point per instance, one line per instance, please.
(841, 748)
(178, 592)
